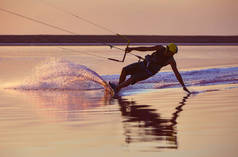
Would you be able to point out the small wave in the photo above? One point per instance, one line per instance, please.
(202, 77)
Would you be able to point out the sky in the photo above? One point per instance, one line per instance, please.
(132, 17)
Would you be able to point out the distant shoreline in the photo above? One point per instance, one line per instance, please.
(116, 44)
(102, 40)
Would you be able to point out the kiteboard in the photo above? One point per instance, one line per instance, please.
(112, 87)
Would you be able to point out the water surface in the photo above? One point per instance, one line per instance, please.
(48, 108)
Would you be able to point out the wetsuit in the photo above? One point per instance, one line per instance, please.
(150, 66)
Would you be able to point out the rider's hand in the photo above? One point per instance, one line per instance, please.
(128, 49)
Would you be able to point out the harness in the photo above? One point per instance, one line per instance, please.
(154, 62)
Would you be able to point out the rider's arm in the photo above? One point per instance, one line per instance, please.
(177, 74)
(153, 48)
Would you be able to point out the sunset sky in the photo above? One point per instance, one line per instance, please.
(144, 17)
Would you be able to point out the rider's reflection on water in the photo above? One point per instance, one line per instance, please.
(143, 124)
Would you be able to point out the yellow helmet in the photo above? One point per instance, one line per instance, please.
(172, 48)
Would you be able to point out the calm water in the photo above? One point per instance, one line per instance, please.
(48, 109)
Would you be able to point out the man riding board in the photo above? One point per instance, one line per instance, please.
(139, 71)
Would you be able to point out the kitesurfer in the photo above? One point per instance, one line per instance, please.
(151, 65)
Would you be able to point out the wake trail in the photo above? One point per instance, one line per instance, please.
(59, 74)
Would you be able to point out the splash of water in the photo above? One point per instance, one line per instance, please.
(59, 74)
